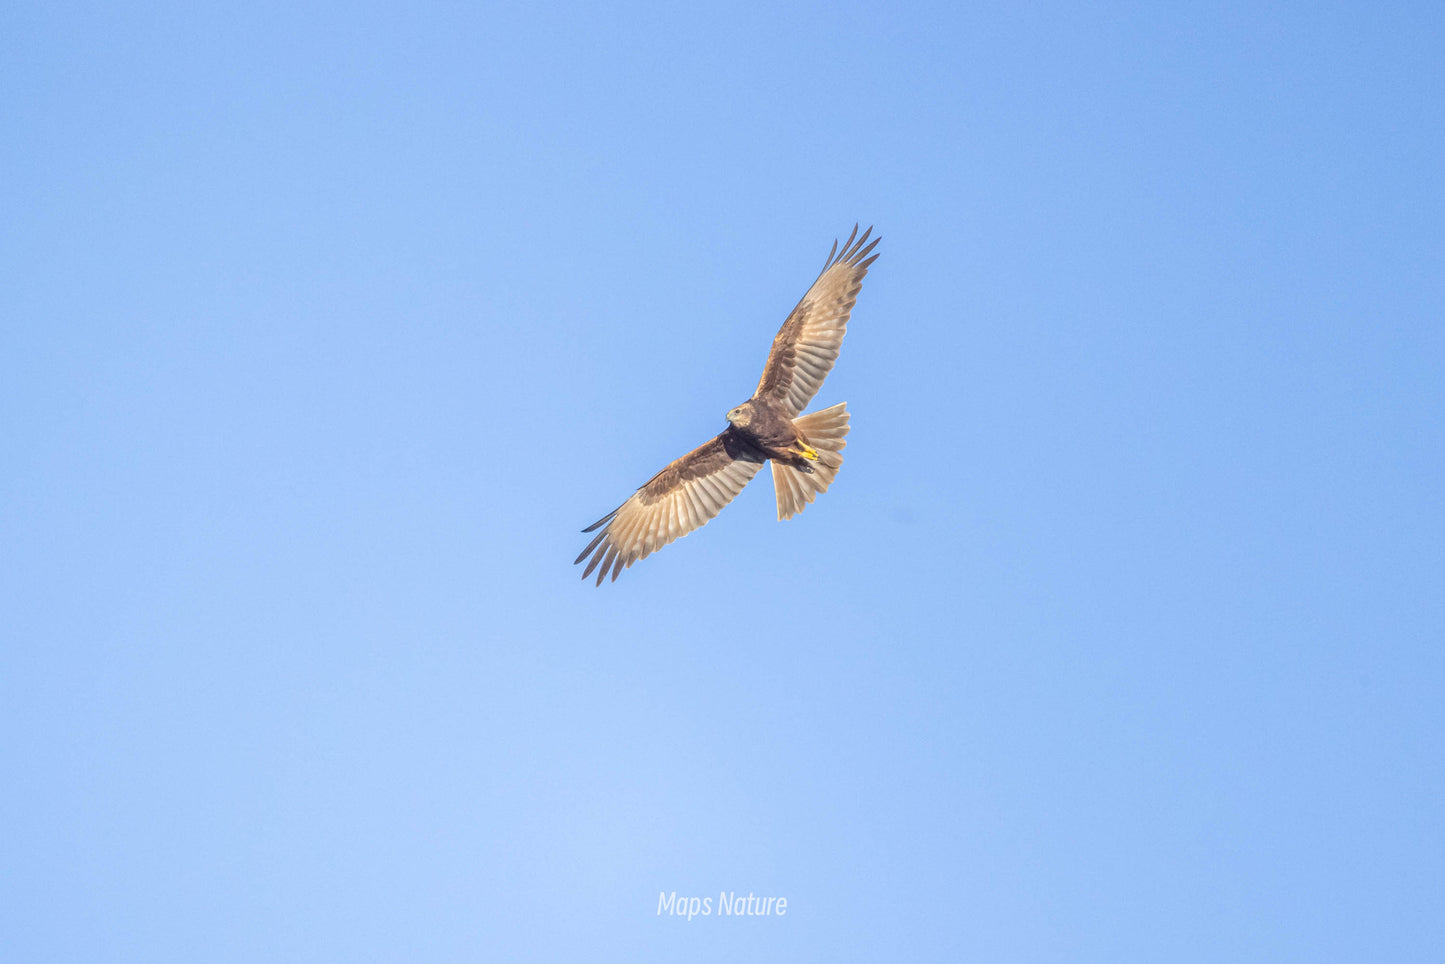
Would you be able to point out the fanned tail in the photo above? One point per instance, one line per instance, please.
(824, 431)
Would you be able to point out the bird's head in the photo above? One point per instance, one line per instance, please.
(742, 416)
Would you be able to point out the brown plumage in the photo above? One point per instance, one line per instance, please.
(804, 449)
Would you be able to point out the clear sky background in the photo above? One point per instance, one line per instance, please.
(327, 327)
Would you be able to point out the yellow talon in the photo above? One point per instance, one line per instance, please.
(807, 452)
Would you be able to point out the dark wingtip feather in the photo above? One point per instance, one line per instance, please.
(596, 558)
(590, 546)
(606, 564)
(828, 262)
(603, 520)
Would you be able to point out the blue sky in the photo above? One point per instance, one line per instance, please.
(326, 328)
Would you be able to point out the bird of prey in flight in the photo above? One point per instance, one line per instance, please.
(804, 449)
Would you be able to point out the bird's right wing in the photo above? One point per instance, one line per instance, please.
(806, 347)
(682, 497)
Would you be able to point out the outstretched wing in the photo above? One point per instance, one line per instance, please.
(807, 345)
(682, 497)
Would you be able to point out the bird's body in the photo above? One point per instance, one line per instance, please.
(769, 426)
(766, 427)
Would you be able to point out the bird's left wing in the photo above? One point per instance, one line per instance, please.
(806, 347)
(682, 497)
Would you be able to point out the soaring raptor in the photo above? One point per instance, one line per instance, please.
(804, 449)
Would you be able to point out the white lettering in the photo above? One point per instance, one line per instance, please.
(688, 907)
(729, 904)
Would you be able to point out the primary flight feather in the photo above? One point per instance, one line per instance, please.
(804, 449)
